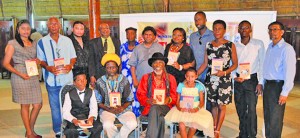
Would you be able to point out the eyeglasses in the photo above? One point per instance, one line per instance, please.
(200, 40)
(273, 30)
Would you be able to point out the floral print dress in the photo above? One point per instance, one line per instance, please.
(219, 89)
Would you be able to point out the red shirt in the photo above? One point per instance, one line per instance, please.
(143, 86)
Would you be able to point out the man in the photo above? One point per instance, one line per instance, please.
(80, 104)
(141, 54)
(150, 85)
(114, 98)
(50, 49)
(250, 52)
(278, 72)
(125, 54)
(98, 48)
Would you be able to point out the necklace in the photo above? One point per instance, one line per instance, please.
(175, 48)
(158, 83)
(112, 85)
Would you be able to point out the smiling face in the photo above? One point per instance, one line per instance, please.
(177, 37)
(190, 76)
(219, 31)
(158, 66)
(275, 32)
(130, 35)
(149, 36)
(24, 30)
(104, 30)
(245, 30)
(53, 26)
(111, 68)
(78, 30)
(80, 82)
(200, 21)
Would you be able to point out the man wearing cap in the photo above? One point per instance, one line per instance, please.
(80, 104)
(114, 98)
(98, 48)
(126, 50)
(153, 84)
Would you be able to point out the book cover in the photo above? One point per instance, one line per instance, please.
(172, 57)
(244, 70)
(31, 68)
(187, 99)
(159, 96)
(114, 99)
(83, 124)
(59, 63)
(217, 64)
(187, 102)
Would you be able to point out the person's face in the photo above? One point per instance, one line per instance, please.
(190, 76)
(219, 31)
(78, 30)
(130, 35)
(200, 21)
(177, 37)
(54, 26)
(24, 30)
(158, 66)
(104, 30)
(149, 36)
(111, 68)
(275, 32)
(80, 82)
(245, 30)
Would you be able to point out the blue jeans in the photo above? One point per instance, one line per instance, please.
(53, 95)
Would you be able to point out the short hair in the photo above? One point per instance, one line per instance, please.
(191, 69)
(77, 74)
(53, 18)
(200, 12)
(245, 21)
(219, 22)
(130, 28)
(149, 28)
(183, 33)
(78, 22)
(277, 23)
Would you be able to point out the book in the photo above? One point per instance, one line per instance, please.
(217, 64)
(159, 96)
(31, 68)
(187, 102)
(59, 63)
(172, 57)
(114, 99)
(187, 99)
(83, 124)
(244, 70)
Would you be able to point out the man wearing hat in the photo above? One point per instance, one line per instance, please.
(154, 105)
(80, 104)
(114, 98)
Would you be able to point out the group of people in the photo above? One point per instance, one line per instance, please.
(134, 74)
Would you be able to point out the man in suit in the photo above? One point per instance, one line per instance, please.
(98, 48)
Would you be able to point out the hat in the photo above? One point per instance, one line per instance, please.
(157, 56)
(110, 57)
(130, 28)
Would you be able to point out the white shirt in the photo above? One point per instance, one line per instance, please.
(253, 53)
(67, 106)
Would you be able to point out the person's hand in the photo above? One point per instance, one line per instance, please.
(239, 79)
(167, 100)
(52, 69)
(24, 76)
(67, 68)
(119, 109)
(75, 122)
(90, 120)
(151, 101)
(135, 83)
(282, 100)
(194, 110)
(176, 65)
(220, 73)
(184, 109)
(112, 110)
(37, 61)
(93, 80)
(259, 89)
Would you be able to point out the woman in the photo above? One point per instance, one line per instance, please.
(26, 89)
(219, 86)
(80, 42)
(180, 55)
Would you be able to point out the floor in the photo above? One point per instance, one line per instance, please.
(11, 124)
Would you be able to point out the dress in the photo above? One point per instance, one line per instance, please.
(24, 91)
(219, 89)
(201, 120)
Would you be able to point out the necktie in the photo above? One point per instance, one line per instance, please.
(105, 46)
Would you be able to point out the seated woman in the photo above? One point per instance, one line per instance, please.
(114, 98)
(189, 111)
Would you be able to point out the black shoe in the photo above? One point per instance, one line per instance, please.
(57, 135)
(199, 133)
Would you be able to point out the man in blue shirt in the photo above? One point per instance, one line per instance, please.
(50, 49)
(279, 73)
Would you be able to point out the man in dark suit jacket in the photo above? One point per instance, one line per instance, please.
(98, 48)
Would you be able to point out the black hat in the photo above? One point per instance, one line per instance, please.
(130, 28)
(157, 56)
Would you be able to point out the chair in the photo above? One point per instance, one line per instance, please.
(205, 100)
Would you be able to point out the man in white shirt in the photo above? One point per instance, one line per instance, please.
(80, 104)
(251, 53)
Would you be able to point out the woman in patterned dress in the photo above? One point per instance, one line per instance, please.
(219, 86)
(26, 89)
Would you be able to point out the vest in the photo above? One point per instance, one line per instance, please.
(80, 110)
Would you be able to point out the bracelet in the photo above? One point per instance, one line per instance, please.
(180, 67)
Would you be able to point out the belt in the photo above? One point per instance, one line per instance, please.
(275, 81)
(254, 75)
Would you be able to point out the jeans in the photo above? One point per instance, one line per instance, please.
(53, 95)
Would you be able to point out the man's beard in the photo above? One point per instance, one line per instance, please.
(158, 71)
(200, 27)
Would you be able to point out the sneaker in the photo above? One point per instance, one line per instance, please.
(143, 134)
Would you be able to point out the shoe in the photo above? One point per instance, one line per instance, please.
(57, 135)
(199, 133)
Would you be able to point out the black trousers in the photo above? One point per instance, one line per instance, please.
(245, 102)
(71, 130)
(273, 112)
(156, 121)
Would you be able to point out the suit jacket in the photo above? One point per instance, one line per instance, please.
(96, 54)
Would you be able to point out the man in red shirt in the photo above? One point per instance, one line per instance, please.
(158, 97)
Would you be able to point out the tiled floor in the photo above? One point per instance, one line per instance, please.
(11, 124)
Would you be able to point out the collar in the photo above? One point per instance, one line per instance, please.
(241, 44)
(103, 39)
(206, 33)
(80, 92)
(279, 44)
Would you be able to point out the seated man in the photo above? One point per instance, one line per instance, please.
(151, 90)
(80, 104)
(114, 98)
